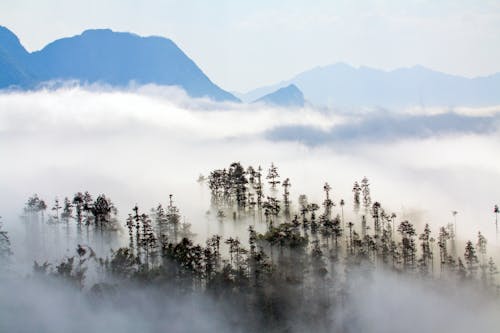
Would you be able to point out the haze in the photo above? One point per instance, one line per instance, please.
(244, 45)
(142, 144)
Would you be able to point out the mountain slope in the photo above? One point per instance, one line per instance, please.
(344, 85)
(289, 96)
(13, 60)
(118, 58)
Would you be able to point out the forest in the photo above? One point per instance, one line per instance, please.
(299, 267)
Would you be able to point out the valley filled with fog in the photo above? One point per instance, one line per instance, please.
(142, 144)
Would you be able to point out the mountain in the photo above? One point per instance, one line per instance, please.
(290, 96)
(343, 85)
(13, 61)
(105, 56)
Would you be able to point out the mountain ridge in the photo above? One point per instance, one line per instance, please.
(105, 56)
(289, 96)
(343, 85)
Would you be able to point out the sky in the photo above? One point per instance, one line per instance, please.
(242, 45)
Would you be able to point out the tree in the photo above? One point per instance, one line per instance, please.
(365, 189)
(356, 189)
(376, 209)
(496, 210)
(87, 204)
(342, 204)
(443, 248)
(454, 214)
(173, 217)
(409, 250)
(78, 203)
(161, 223)
(286, 193)
(328, 203)
(148, 240)
(238, 181)
(56, 208)
(123, 263)
(273, 176)
(4, 244)
(481, 248)
(67, 212)
(102, 209)
(492, 271)
(470, 258)
(258, 186)
(461, 270)
(426, 260)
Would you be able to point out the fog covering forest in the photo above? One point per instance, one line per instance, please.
(144, 210)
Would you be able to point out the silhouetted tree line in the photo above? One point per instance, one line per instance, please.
(295, 271)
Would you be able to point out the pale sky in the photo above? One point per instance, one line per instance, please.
(242, 45)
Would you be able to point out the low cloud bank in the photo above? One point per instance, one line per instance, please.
(141, 144)
(385, 127)
(373, 302)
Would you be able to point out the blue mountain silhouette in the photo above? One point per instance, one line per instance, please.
(105, 56)
(343, 85)
(287, 96)
(13, 61)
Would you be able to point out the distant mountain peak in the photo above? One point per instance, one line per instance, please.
(342, 85)
(7, 35)
(105, 56)
(9, 42)
(289, 96)
(99, 31)
(110, 34)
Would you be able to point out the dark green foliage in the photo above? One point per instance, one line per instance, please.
(70, 270)
(471, 259)
(273, 176)
(294, 270)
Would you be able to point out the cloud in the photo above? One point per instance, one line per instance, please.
(384, 127)
(141, 144)
(374, 302)
(385, 302)
(31, 305)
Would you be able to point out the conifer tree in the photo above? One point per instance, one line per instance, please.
(409, 250)
(67, 212)
(327, 203)
(356, 189)
(443, 247)
(454, 214)
(258, 186)
(492, 272)
(365, 189)
(425, 261)
(286, 193)
(173, 218)
(5, 250)
(78, 203)
(481, 247)
(496, 210)
(470, 258)
(342, 204)
(273, 176)
(56, 208)
(238, 181)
